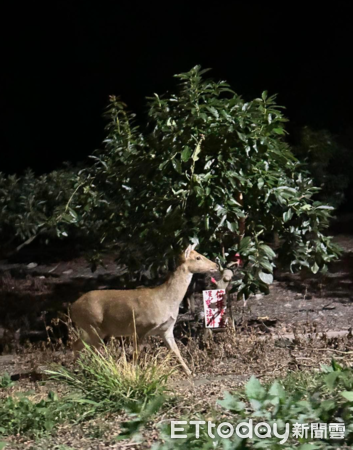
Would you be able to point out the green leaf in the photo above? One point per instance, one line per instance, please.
(163, 164)
(242, 136)
(348, 395)
(254, 389)
(186, 154)
(264, 95)
(266, 265)
(231, 403)
(277, 390)
(330, 379)
(330, 208)
(267, 278)
(315, 268)
(245, 244)
(268, 250)
(260, 183)
(232, 226)
(3, 445)
(213, 111)
(176, 165)
(279, 130)
(287, 215)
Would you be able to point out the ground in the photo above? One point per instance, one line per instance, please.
(290, 328)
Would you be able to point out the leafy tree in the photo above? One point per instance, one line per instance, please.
(31, 205)
(209, 168)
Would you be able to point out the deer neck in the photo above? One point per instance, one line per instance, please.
(176, 286)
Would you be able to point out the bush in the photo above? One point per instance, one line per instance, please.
(208, 167)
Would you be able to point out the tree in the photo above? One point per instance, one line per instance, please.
(209, 168)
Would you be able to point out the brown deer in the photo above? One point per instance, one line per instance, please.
(151, 311)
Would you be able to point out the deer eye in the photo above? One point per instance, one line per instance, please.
(198, 257)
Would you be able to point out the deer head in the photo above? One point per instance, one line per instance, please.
(196, 263)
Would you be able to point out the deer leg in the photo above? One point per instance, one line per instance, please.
(192, 305)
(141, 344)
(169, 341)
(89, 337)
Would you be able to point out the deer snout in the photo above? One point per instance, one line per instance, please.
(215, 268)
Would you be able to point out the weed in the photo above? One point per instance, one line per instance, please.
(6, 381)
(114, 381)
(22, 416)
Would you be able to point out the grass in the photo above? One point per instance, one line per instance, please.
(302, 381)
(115, 381)
(101, 387)
(99, 382)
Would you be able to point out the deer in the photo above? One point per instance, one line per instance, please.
(146, 311)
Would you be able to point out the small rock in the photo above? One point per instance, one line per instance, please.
(68, 272)
(32, 265)
(287, 305)
(42, 277)
(298, 296)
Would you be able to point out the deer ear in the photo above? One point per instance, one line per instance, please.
(193, 246)
(187, 252)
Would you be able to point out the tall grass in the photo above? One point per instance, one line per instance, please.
(115, 380)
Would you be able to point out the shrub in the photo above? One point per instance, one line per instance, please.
(208, 167)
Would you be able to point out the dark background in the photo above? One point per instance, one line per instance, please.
(61, 60)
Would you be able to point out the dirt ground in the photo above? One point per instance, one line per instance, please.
(37, 287)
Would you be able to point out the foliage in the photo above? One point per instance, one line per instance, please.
(323, 402)
(325, 397)
(6, 381)
(208, 167)
(31, 204)
(100, 384)
(23, 416)
(329, 163)
(120, 382)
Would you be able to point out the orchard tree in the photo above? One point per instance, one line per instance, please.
(209, 168)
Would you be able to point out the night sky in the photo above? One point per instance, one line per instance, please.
(61, 61)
